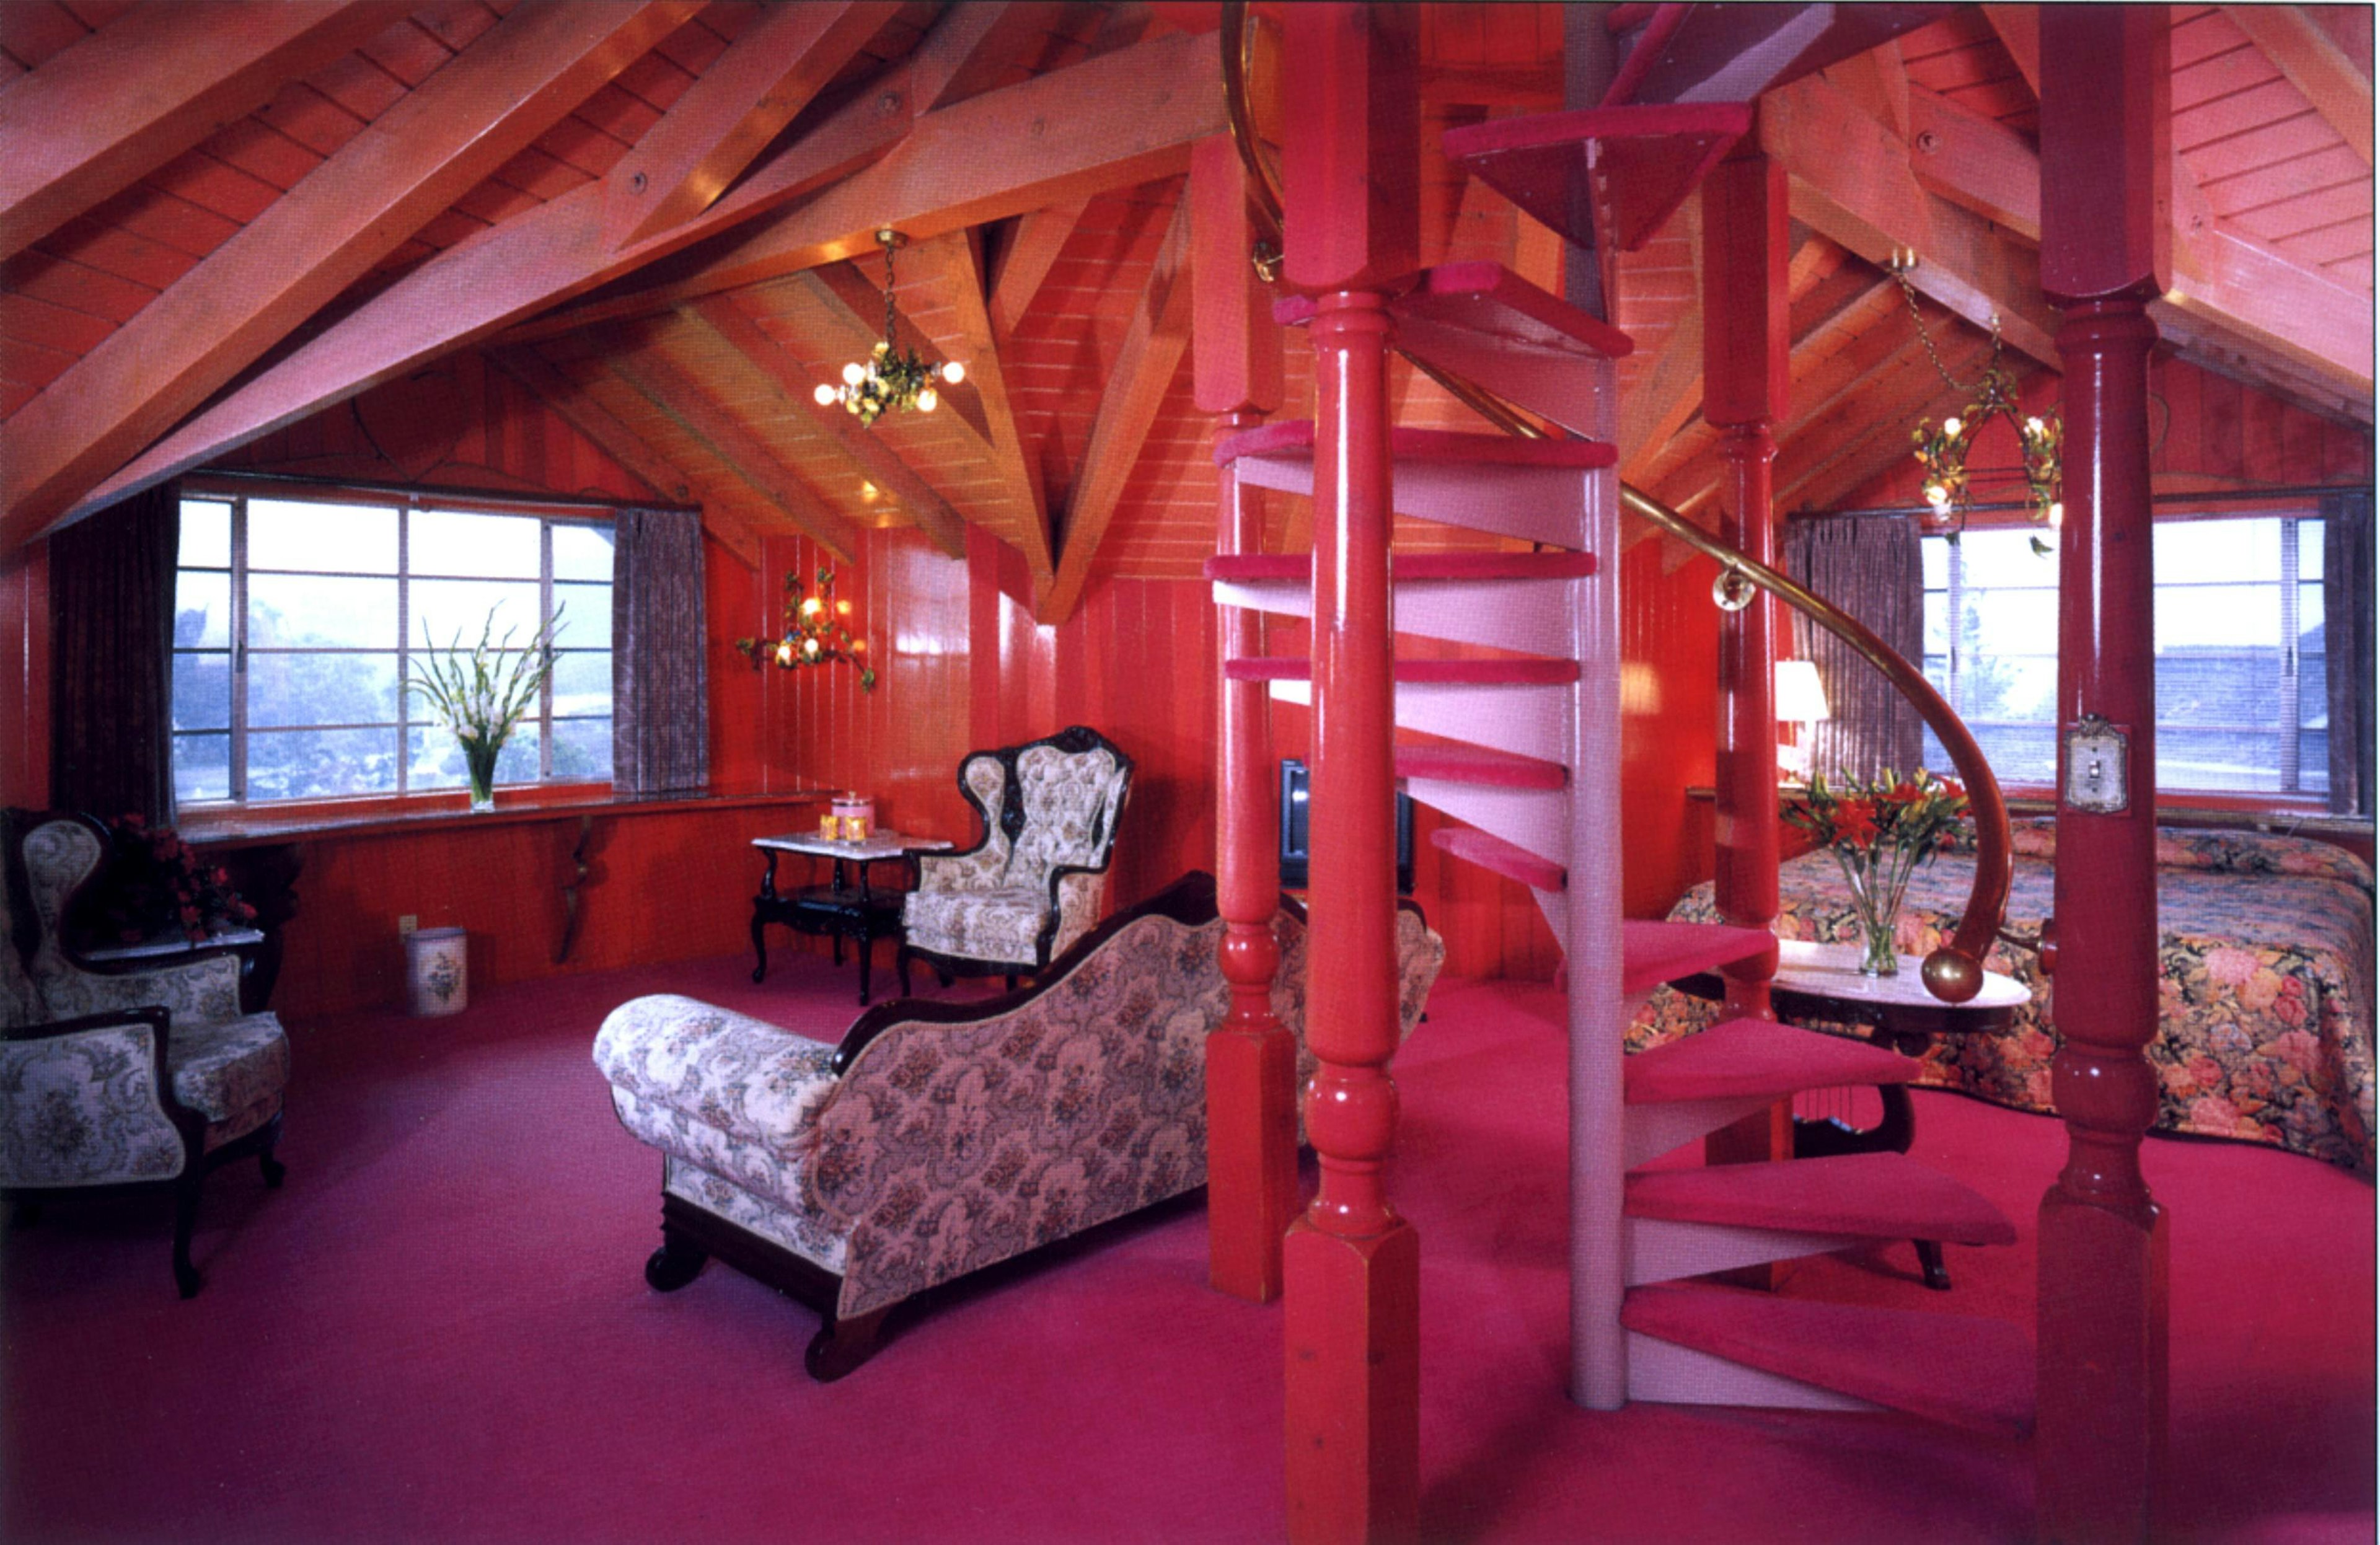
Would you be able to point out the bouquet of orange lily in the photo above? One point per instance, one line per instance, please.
(1880, 831)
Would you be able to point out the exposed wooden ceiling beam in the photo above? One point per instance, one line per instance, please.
(732, 327)
(2019, 29)
(956, 258)
(1869, 436)
(1126, 117)
(2340, 89)
(478, 111)
(1145, 367)
(676, 394)
(973, 45)
(536, 258)
(1025, 260)
(101, 114)
(622, 445)
(709, 135)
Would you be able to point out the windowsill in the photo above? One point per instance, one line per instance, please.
(2238, 811)
(240, 826)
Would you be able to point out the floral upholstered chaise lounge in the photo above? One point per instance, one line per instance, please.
(938, 1138)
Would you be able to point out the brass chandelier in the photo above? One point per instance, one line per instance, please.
(1942, 450)
(893, 378)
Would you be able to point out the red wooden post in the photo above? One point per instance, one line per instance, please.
(1251, 1058)
(1351, 1265)
(2105, 159)
(1746, 379)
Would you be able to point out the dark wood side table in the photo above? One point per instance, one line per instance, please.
(1818, 986)
(840, 909)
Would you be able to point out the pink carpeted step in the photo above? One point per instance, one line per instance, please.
(1882, 1196)
(1970, 1374)
(1739, 1059)
(1472, 764)
(1649, 160)
(1659, 952)
(1411, 568)
(1451, 673)
(1493, 853)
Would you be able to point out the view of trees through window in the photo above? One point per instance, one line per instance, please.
(2240, 703)
(298, 621)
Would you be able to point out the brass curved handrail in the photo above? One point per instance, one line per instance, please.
(1954, 972)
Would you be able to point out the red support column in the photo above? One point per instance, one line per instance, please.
(1747, 378)
(1352, 1264)
(1251, 1058)
(2106, 156)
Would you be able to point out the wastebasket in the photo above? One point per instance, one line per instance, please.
(437, 971)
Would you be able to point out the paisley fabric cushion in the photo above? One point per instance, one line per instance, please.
(986, 779)
(82, 1109)
(749, 1080)
(1070, 801)
(1000, 925)
(229, 1070)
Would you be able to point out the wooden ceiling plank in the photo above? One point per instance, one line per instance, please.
(730, 326)
(955, 255)
(1024, 261)
(622, 445)
(678, 396)
(547, 254)
(310, 245)
(1145, 367)
(151, 85)
(973, 45)
(2316, 65)
(2018, 29)
(1975, 163)
(2268, 304)
(728, 117)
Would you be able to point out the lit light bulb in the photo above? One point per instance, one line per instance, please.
(812, 606)
(1953, 427)
(852, 376)
(784, 651)
(809, 646)
(2032, 426)
(843, 608)
(1936, 495)
(825, 395)
(926, 400)
(2057, 514)
(867, 490)
(954, 372)
(859, 646)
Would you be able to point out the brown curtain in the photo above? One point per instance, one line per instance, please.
(2347, 582)
(660, 730)
(1869, 566)
(111, 659)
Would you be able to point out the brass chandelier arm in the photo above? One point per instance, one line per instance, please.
(1953, 973)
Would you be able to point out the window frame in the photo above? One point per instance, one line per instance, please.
(404, 504)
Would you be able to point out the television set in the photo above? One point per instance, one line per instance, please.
(1294, 830)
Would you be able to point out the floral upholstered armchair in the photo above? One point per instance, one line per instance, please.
(938, 1138)
(112, 1081)
(1035, 883)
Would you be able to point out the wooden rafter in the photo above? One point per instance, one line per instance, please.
(733, 327)
(536, 258)
(2318, 67)
(450, 133)
(1866, 433)
(679, 396)
(147, 87)
(1025, 261)
(1145, 367)
(954, 256)
(971, 47)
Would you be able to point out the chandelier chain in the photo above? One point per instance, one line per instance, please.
(1909, 293)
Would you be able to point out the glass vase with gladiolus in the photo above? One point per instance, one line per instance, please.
(1880, 830)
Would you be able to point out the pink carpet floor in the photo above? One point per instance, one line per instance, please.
(438, 1331)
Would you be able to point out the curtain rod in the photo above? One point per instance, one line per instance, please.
(418, 493)
(1897, 512)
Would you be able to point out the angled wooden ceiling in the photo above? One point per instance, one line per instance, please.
(657, 216)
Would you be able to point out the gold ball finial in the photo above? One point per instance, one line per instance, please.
(1952, 977)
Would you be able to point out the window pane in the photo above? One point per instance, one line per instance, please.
(1934, 560)
(469, 609)
(2199, 618)
(2313, 761)
(582, 682)
(1998, 618)
(349, 539)
(2010, 687)
(2308, 549)
(201, 611)
(586, 615)
(582, 749)
(315, 764)
(1938, 622)
(202, 767)
(202, 691)
(206, 534)
(1988, 559)
(2313, 659)
(490, 546)
(2196, 552)
(436, 761)
(292, 689)
(2189, 756)
(289, 610)
(582, 550)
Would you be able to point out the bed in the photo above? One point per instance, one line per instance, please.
(2265, 961)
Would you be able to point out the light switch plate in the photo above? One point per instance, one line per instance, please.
(2098, 764)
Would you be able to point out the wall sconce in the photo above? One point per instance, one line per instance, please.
(815, 633)
(1801, 702)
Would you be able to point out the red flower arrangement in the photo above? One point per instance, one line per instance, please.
(153, 884)
(1880, 831)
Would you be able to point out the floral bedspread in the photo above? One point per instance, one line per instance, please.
(2266, 963)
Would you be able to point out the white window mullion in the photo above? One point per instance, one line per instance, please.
(545, 626)
(239, 648)
(404, 645)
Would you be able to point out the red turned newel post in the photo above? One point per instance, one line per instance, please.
(1251, 1058)
(1351, 1265)
(2105, 165)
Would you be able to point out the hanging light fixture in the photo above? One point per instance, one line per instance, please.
(816, 631)
(1942, 450)
(891, 377)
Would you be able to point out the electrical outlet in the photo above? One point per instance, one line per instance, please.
(406, 924)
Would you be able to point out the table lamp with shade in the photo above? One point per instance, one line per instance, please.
(1801, 702)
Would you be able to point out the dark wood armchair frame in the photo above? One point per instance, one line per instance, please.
(1074, 740)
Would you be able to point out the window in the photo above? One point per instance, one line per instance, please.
(2238, 623)
(297, 621)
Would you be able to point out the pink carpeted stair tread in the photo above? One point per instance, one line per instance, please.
(1494, 302)
(1472, 764)
(1494, 853)
(1957, 1369)
(1653, 953)
(1443, 446)
(1884, 1195)
(1651, 158)
(1258, 567)
(1739, 1059)
(1450, 672)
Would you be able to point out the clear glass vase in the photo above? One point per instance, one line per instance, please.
(480, 763)
(1876, 882)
